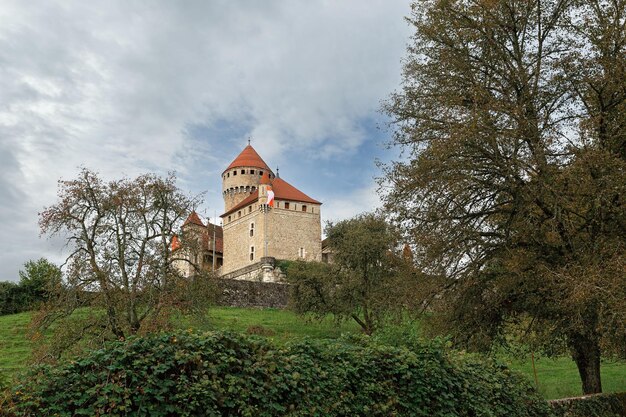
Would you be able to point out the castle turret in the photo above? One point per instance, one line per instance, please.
(242, 177)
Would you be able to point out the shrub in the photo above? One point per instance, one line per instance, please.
(223, 374)
(13, 298)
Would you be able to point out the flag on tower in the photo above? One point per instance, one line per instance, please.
(270, 196)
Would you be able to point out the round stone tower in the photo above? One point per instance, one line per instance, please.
(242, 177)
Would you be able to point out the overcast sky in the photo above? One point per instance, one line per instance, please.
(126, 87)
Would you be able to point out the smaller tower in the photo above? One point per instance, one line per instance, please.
(264, 185)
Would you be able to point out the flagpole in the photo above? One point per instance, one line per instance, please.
(214, 228)
(267, 208)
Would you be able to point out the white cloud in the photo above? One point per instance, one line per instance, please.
(114, 86)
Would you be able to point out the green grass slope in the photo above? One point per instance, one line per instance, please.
(558, 378)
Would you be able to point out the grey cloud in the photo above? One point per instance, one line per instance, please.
(114, 85)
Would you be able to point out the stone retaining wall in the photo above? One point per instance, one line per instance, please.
(239, 293)
(601, 405)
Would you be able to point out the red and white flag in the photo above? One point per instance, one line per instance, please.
(270, 196)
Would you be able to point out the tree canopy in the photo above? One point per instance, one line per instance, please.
(367, 279)
(121, 264)
(512, 116)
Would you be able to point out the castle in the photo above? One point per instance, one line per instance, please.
(265, 219)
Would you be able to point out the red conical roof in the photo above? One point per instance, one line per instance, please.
(248, 158)
(193, 219)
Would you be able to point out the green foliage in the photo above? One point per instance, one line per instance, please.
(511, 119)
(606, 405)
(13, 298)
(367, 280)
(37, 280)
(40, 279)
(220, 374)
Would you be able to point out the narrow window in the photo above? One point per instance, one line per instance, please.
(301, 253)
(303, 207)
(286, 206)
(239, 214)
(243, 171)
(228, 175)
(234, 172)
(260, 172)
(277, 204)
(252, 253)
(251, 172)
(228, 219)
(251, 229)
(249, 209)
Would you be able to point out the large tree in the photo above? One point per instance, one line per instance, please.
(512, 115)
(121, 264)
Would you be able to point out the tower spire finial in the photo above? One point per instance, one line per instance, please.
(248, 140)
(277, 174)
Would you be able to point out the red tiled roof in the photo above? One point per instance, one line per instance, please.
(282, 191)
(285, 191)
(219, 232)
(254, 196)
(193, 219)
(248, 158)
(219, 243)
(265, 178)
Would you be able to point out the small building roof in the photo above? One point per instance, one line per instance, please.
(248, 158)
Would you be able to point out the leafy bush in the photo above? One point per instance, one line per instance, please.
(37, 279)
(604, 405)
(223, 374)
(13, 298)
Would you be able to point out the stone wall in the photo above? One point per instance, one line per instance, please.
(237, 239)
(288, 230)
(600, 405)
(236, 293)
(292, 229)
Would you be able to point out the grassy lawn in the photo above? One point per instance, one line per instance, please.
(14, 346)
(282, 325)
(558, 378)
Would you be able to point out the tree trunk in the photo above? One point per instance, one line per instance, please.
(586, 354)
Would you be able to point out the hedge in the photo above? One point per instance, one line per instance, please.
(226, 374)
